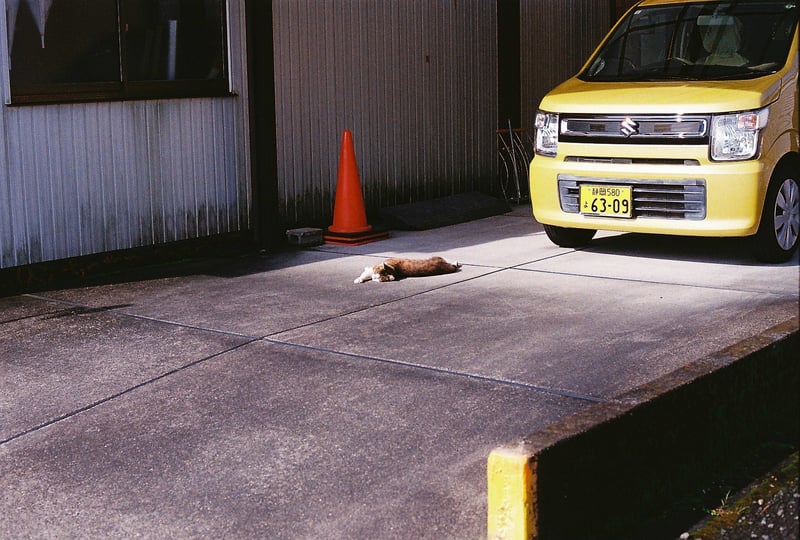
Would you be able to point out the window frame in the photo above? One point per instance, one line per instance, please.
(124, 89)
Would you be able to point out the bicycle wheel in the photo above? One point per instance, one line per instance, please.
(505, 174)
(523, 161)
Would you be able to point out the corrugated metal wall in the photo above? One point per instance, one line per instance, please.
(414, 80)
(88, 178)
(622, 6)
(557, 37)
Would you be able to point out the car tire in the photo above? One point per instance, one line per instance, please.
(569, 238)
(777, 236)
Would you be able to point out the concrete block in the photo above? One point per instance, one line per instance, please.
(304, 237)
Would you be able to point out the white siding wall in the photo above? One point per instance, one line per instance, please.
(86, 178)
(414, 80)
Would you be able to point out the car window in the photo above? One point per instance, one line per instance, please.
(697, 41)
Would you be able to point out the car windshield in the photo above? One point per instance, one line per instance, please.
(697, 41)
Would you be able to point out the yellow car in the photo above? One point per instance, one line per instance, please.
(684, 121)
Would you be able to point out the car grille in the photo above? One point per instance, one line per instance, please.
(636, 129)
(633, 161)
(671, 199)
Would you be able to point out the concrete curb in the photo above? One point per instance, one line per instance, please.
(598, 473)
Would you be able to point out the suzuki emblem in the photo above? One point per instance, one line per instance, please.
(629, 127)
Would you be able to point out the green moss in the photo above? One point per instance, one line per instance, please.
(731, 508)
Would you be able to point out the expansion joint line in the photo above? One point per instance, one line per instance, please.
(441, 371)
(124, 392)
(387, 302)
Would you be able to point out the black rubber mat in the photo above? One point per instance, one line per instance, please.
(443, 211)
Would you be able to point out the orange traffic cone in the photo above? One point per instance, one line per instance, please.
(350, 227)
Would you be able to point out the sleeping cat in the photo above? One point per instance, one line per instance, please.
(397, 268)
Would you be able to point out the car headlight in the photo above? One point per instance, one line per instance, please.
(546, 134)
(737, 136)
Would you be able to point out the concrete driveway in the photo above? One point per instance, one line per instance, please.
(270, 397)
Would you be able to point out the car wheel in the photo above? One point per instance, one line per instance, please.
(569, 238)
(776, 240)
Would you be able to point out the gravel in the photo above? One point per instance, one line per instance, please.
(765, 510)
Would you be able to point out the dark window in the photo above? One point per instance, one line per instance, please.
(87, 50)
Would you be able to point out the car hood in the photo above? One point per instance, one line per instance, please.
(683, 97)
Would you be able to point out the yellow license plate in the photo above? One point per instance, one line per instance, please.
(609, 201)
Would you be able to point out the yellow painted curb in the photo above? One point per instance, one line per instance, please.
(511, 475)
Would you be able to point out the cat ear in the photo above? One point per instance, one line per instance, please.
(389, 267)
